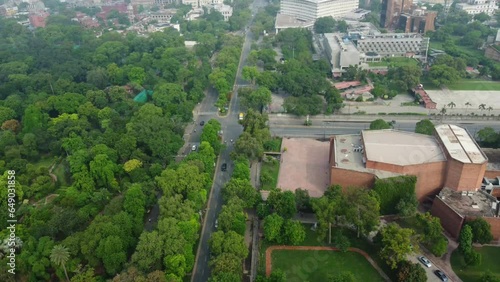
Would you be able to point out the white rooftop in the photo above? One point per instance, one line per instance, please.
(401, 147)
(459, 144)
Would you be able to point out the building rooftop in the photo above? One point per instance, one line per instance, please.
(460, 145)
(401, 147)
(469, 203)
(347, 158)
(286, 21)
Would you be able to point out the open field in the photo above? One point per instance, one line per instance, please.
(318, 265)
(473, 273)
(475, 85)
(460, 98)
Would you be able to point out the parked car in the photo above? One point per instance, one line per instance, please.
(441, 275)
(223, 167)
(193, 148)
(216, 223)
(425, 261)
(202, 123)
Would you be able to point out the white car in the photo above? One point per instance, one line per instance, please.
(193, 148)
(425, 261)
(216, 223)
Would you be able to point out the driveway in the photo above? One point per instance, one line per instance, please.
(431, 277)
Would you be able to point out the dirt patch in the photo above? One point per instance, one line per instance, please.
(270, 250)
(304, 165)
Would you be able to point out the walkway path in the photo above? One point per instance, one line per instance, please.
(444, 263)
(320, 248)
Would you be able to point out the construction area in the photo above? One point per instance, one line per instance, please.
(304, 164)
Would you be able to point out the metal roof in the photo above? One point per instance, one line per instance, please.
(459, 144)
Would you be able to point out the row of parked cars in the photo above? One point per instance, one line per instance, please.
(440, 274)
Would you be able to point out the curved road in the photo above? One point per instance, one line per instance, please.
(231, 130)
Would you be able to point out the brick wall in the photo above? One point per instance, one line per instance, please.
(491, 174)
(464, 177)
(430, 176)
(450, 220)
(347, 178)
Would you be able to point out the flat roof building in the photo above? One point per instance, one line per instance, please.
(395, 45)
(285, 21)
(341, 52)
(311, 10)
(474, 7)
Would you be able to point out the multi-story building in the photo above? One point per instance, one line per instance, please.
(341, 52)
(419, 21)
(392, 9)
(474, 7)
(310, 10)
(395, 45)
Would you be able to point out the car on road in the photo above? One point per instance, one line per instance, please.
(441, 275)
(223, 167)
(425, 261)
(202, 123)
(193, 148)
(216, 223)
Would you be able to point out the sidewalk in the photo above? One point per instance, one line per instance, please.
(444, 263)
(255, 174)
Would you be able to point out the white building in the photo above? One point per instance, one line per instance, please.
(474, 7)
(341, 52)
(310, 10)
(225, 10)
(286, 21)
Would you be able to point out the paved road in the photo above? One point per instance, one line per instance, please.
(231, 130)
(431, 276)
(324, 129)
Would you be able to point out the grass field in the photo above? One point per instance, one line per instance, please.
(475, 85)
(273, 169)
(473, 273)
(396, 62)
(318, 265)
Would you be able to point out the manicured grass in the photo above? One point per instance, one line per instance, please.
(312, 240)
(489, 263)
(317, 265)
(273, 168)
(477, 85)
(396, 62)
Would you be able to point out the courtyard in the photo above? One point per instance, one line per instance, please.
(462, 99)
(304, 164)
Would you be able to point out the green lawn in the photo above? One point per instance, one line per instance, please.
(473, 84)
(396, 62)
(273, 168)
(312, 240)
(317, 265)
(490, 263)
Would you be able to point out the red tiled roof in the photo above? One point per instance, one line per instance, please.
(346, 84)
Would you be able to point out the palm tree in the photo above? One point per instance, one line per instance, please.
(490, 108)
(467, 105)
(482, 107)
(59, 256)
(451, 105)
(442, 112)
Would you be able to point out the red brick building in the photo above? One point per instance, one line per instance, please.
(450, 159)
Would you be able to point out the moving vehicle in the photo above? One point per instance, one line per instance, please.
(216, 223)
(202, 123)
(441, 275)
(425, 261)
(241, 116)
(193, 148)
(223, 167)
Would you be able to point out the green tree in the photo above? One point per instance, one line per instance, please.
(407, 206)
(481, 231)
(324, 25)
(283, 203)
(489, 277)
(250, 73)
(443, 75)
(230, 242)
(465, 239)
(293, 232)
(425, 126)
(396, 244)
(241, 170)
(379, 124)
(149, 251)
(256, 99)
(210, 134)
(135, 202)
(362, 209)
(302, 199)
(249, 146)
(60, 256)
(411, 272)
(342, 277)
(273, 225)
(242, 189)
